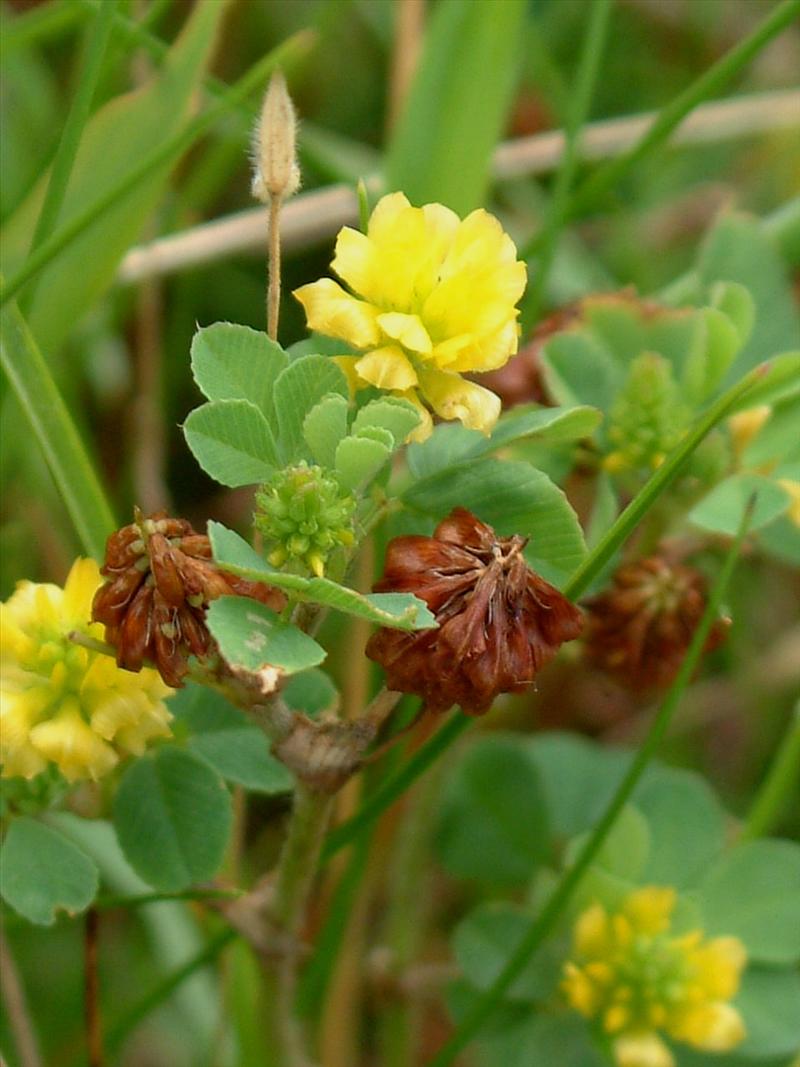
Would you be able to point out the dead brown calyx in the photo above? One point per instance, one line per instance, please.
(640, 629)
(160, 580)
(499, 622)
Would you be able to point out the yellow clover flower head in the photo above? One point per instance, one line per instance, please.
(634, 977)
(431, 297)
(61, 703)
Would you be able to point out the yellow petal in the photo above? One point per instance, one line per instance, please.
(650, 909)
(642, 1050)
(332, 311)
(407, 329)
(153, 723)
(592, 934)
(488, 351)
(354, 259)
(452, 397)
(582, 994)
(385, 215)
(387, 368)
(616, 1018)
(714, 1027)
(22, 762)
(69, 742)
(82, 583)
(718, 965)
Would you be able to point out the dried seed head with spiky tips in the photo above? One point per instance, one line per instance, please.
(640, 628)
(160, 580)
(499, 622)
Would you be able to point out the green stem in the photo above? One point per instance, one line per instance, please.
(782, 779)
(671, 116)
(664, 476)
(168, 151)
(593, 45)
(55, 432)
(552, 910)
(98, 37)
(296, 870)
(139, 900)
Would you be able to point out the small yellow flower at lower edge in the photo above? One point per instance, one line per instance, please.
(431, 297)
(635, 979)
(61, 703)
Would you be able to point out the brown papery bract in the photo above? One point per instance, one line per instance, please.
(499, 621)
(160, 580)
(641, 627)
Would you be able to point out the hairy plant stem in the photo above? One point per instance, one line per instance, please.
(782, 778)
(295, 875)
(274, 266)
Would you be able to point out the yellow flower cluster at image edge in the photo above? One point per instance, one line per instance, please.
(633, 977)
(62, 703)
(431, 297)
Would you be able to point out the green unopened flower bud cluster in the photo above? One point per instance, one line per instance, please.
(304, 517)
(648, 418)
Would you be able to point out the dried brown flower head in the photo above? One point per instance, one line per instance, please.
(499, 623)
(161, 578)
(640, 629)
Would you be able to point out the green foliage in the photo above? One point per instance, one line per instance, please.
(481, 835)
(311, 692)
(254, 638)
(298, 389)
(172, 814)
(324, 427)
(232, 442)
(513, 497)
(55, 432)
(121, 131)
(769, 1000)
(233, 362)
(737, 250)
(41, 872)
(401, 610)
(488, 936)
(458, 104)
(452, 446)
(753, 893)
(220, 734)
(722, 510)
